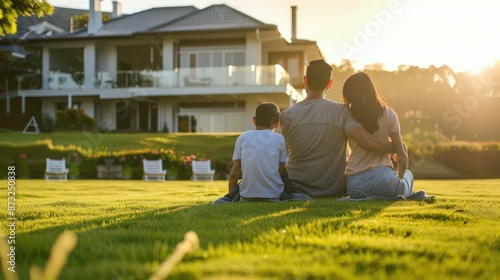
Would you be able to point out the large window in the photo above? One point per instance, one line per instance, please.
(208, 122)
(66, 68)
(192, 59)
(143, 57)
(134, 60)
(66, 60)
(212, 117)
(211, 65)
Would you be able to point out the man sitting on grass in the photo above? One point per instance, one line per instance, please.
(261, 155)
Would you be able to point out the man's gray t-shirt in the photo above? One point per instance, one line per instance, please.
(316, 137)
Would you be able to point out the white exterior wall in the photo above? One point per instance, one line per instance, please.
(101, 56)
(89, 65)
(45, 67)
(253, 52)
(106, 61)
(166, 114)
(108, 115)
(87, 104)
(168, 54)
(48, 107)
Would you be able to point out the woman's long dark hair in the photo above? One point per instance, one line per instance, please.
(362, 97)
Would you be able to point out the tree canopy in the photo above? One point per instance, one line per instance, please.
(80, 21)
(10, 10)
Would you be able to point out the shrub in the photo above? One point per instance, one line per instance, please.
(74, 119)
(473, 159)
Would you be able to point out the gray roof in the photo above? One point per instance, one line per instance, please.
(60, 17)
(213, 18)
(138, 22)
(170, 19)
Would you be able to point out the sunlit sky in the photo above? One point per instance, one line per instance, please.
(462, 34)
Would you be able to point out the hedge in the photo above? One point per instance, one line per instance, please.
(473, 159)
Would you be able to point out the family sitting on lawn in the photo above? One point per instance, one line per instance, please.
(309, 158)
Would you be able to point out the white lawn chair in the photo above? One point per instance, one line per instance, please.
(56, 169)
(153, 169)
(202, 170)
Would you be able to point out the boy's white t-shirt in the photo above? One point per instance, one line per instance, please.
(260, 152)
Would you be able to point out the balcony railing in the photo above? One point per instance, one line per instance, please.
(253, 75)
(61, 80)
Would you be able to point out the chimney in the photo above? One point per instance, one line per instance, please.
(117, 9)
(95, 17)
(294, 22)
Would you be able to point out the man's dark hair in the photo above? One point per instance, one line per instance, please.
(319, 74)
(266, 114)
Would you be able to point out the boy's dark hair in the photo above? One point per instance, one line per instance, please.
(266, 114)
(319, 74)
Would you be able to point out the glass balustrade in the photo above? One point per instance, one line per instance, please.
(230, 76)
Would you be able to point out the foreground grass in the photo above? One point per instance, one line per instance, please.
(126, 229)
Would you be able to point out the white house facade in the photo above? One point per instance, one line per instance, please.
(180, 69)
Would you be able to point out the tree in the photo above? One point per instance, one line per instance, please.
(80, 21)
(10, 10)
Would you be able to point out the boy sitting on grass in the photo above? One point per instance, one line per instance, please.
(261, 155)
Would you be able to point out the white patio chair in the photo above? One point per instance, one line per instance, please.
(153, 169)
(202, 170)
(56, 169)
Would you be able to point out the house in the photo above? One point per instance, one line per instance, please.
(180, 69)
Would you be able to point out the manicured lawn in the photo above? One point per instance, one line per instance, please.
(126, 229)
(181, 142)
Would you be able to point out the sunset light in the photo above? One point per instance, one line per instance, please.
(460, 34)
(250, 139)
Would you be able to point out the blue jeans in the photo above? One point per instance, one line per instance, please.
(381, 181)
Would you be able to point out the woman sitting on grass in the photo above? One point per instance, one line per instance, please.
(370, 174)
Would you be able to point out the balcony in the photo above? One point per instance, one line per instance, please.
(231, 76)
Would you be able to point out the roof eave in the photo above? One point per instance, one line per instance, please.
(245, 29)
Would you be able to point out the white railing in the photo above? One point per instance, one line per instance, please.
(61, 80)
(252, 75)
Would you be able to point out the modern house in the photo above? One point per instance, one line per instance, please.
(180, 69)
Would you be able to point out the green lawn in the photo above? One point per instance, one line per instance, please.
(126, 229)
(182, 142)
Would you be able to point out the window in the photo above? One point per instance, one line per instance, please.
(66, 60)
(198, 58)
(142, 57)
(187, 123)
(292, 62)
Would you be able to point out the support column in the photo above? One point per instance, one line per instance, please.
(89, 65)
(253, 57)
(45, 68)
(168, 53)
(149, 116)
(23, 104)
